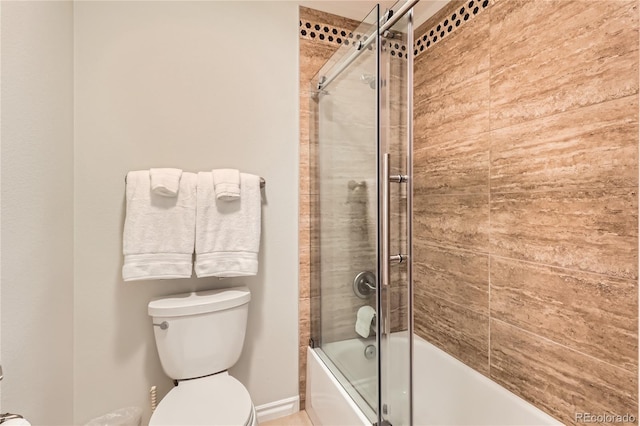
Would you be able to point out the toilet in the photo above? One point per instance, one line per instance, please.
(199, 336)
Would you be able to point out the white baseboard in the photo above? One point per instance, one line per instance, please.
(277, 409)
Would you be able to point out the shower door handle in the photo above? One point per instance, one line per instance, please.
(385, 221)
(385, 264)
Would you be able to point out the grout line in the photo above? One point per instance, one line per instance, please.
(456, 304)
(533, 191)
(489, 189)
(562, 268)
(553, 342)
(570, 189)
(566, 111)
(483, 253)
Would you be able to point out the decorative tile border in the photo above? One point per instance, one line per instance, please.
(439, 31)
(340, 36)
(397, 49)
(327, 33)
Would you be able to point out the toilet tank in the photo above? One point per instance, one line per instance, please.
(200, 333)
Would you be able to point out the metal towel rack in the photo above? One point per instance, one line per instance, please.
(262, 181)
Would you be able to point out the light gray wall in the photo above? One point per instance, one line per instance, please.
(194, 85)
(37, 210)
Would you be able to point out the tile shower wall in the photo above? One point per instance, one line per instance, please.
(526, 180)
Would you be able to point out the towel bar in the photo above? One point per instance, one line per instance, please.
(262, 181)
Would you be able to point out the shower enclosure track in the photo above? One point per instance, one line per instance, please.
(389, 19)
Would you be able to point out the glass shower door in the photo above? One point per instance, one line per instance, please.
(360, 276)
(347, 204)
(395, 350)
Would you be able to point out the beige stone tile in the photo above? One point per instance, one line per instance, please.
(338, 313)
(304, 168)
(591, 313)
(453, 220)
(462, 55)
(313, 55)
(593, 230)
(398, 308)
(304, 309)
(446, 23)
(316, 16)
(304, 279)
(460, 112)
(561, 97)
(462, 333)
(304, 241)
(452, 166)
(298, 419)
(315, 318)
(553, 56)
(304, 330)
(556, 379)
(302, 367)
(461, 277)
(449, 8)
(590, 147)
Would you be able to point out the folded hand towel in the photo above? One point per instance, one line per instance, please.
(228, 234)
(165, 182)
(226, 184)
(364, 320)
(159, 232)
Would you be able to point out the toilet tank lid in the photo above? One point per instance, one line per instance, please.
(199, 302)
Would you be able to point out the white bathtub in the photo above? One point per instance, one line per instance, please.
(446, 391)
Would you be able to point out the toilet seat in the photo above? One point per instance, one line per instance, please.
(213, 400)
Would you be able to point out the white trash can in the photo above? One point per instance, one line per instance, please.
(130, 416)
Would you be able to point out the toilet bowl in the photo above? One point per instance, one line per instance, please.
(199, 336)
(214, 400)
(16, 422)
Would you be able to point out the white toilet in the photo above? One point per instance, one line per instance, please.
(199, 336)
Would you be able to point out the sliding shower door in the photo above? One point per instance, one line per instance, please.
(396, 65)
(347, 182)
(360, 280)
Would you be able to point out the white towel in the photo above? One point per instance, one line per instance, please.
(165, 182)
(364, 320)
(226, 184)
(228, 234)
(159, 232)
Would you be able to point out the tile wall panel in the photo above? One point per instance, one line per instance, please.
(557, 379)
(526, 198)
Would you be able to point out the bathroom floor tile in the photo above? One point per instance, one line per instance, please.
(298, 419)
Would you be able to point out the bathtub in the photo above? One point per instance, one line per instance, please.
(446, 391)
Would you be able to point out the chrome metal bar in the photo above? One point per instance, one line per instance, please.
(398, 258)
(163, 325)
(398, 178)
(385, 221)
(360, 47)
(409, 188)
(397, 15)
(262, 181)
